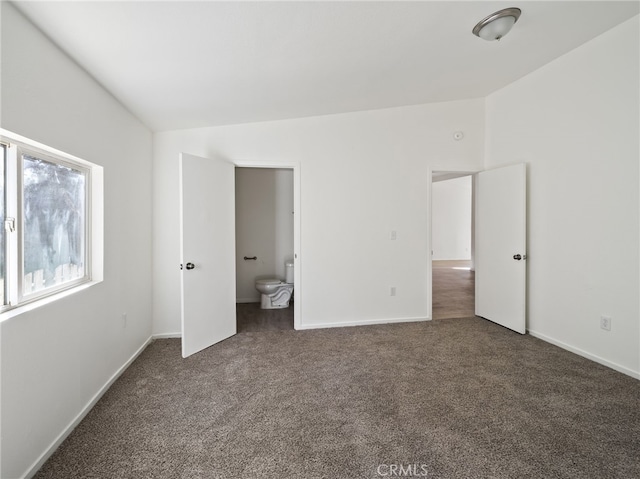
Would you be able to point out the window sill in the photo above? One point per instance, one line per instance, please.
(38, 303)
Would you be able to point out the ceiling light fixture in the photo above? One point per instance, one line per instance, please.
(498, 24)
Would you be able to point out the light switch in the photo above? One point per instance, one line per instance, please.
(393, 235)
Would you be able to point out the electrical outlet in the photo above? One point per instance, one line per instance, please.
(392, 291)
(605, 323)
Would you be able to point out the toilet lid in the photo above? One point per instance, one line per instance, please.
(268, 281)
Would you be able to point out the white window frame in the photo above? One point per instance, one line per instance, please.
(16, 299)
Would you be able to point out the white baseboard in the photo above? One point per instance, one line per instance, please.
(166, 335)
(364, 322)
(63, 435)
(584, 354)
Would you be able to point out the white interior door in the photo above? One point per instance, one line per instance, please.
(500, 246)
(207, 252)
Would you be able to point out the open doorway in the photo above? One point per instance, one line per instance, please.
(453, 275)
(264, 205)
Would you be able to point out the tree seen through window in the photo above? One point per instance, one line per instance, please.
(54, 224)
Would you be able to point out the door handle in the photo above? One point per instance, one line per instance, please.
(518, 257)
(190, 266)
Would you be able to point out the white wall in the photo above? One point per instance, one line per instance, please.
(55, 359)
(264, 227)
(362, 175)
(451, 219)
(575, 123)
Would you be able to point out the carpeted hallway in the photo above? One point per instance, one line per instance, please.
(458, 398)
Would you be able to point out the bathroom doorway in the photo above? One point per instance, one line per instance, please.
(265, 240)
(452, 271)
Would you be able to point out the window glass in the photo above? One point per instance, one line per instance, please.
(3, 236)
(54, 215)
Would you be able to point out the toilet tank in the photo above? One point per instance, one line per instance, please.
(288, 271)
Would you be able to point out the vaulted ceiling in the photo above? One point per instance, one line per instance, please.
(178, 64)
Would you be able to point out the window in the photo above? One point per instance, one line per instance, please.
(3, 215)
(45, 229)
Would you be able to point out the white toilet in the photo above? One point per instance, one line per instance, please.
(276, 293)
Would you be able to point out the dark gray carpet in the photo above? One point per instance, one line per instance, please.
(457, 398)
(250, 318)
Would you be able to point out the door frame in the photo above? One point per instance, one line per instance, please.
(297, 257)
(430, 171)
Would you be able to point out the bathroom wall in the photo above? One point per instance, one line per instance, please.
(575, 122)
(451, 219)
(264, 227)
(58, 358)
